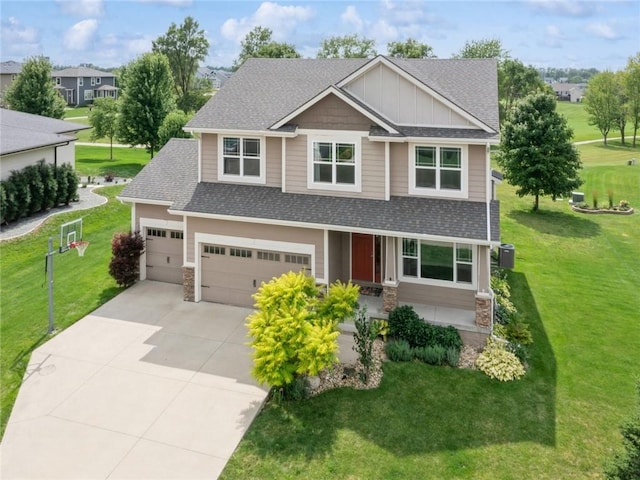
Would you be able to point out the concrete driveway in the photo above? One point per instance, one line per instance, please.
(146, 387)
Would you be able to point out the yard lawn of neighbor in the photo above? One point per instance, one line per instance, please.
(126, 163)
(577, 117)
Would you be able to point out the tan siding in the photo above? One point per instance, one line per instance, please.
(372, 170)
(154, 211)
(209, 148)
(338, 256)
(438, 296)
(274, 162)
(399, 169)
(296, 167)
(331, 113)
(257, 231)
(477, 173)
(483, 273)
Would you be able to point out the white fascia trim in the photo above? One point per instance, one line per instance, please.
(283, 160)
(335, 228)
(335, 91)
(244, 133)
(417, 83)
(145, 201)
(133, 217)
(199, 158)
(450, 141)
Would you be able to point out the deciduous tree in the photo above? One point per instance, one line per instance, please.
(536, 153)
(103, 117)
(602, 102)
(348, 46)
(484, 48)
(632, 89)
(258, 43)
(185, 46)
(148, 99)
(410, 48)
(516, 81)
(33, 91)
(172, 128)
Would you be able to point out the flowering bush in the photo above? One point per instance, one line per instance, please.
(496, 362)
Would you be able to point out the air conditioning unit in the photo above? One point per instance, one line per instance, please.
(507, 257)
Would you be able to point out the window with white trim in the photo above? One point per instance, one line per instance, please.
(98, 80)
(437, 261)
(438, 170)
(93, 81)
(58, 81)
(241, 159)
(334, 164)
(88, 94)
(80, 82)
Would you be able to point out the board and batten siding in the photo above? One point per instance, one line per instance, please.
(209, 152)
(400, 100)
(438, 296)
(257, 231)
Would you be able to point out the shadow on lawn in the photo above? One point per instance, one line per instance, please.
(562, 224)
(420, 408)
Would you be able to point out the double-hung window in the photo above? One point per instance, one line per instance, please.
(437, 262)
(241, 160)
(438, 170)
(334, 164)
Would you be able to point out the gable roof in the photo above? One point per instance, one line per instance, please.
(25, 131)
(264, 92)
(10, 67)
(81, 72)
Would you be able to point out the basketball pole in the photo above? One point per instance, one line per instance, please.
(50, 254)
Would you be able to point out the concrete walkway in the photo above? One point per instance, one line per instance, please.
(147, 386)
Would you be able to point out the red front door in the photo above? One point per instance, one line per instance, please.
(362, 257)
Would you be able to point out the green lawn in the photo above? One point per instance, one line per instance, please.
(577, 118)
(71, 112)
(576, 282)
(126, 163)
(81, 284)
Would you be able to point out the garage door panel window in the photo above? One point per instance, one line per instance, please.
(437, 261)
(156, 232)
(297, 259)
(177, 235)
(240, 252)
(268, 256)
(242, 160)
(214, 250)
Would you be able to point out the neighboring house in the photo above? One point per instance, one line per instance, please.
(26, 139)
(8, 73)
(79, 86)
(370, 170)
(572, 92)
(216, 78)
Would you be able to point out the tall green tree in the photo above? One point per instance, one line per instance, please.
(516, 81)
(536, 153)
(623, 103)
(185, 46)
(348, 46)
(148, 99)
(258, 43)
(33, 91)
(172, 127)
(410, 48)
(602, 102)
(632, 89)
(484, 48)
(103, 117)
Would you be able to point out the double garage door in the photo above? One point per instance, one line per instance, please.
(231, 274)
(164, 255)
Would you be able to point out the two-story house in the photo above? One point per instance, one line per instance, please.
(79, 86)
(9, 71)
(375, 171)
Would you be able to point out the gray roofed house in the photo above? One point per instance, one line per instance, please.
(80, 85)
(9, 71)
(27, 139)
(375, 171)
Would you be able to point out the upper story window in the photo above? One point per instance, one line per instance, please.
(241, 160)
(80, 82)
(98, 80)
(58, 81)
(438, 170)
(437, 262)
(93, 81)
(334, 165)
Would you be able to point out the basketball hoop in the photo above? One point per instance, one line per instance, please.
(80, 247)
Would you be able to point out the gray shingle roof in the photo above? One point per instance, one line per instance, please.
(24, 131)
(264, 90)
(81, 72)
(170, 176)
(10, 67)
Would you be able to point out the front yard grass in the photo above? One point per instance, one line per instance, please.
(578, 118)
(80, 286)
(576, 282)
(126, 163)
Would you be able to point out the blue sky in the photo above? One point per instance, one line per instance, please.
(109, 33)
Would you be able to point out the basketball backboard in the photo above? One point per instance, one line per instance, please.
(70, 232)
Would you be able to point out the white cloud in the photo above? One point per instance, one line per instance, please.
(350, 17)
(18, 39)
(603, 30)
(82, 8)
(570, 8)
(553, 37)
(139, 45)
(80, 36)
(281, 19)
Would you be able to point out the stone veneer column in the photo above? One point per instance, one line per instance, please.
(389, 298)
(483, 309)
(188, 284)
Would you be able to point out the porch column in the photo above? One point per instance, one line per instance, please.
(188, 284)
(390, 276)
(484, 309)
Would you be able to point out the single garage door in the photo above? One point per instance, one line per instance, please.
(230, 275)
(164, 255)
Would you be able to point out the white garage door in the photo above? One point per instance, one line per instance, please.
(230, 275)
(164, 255)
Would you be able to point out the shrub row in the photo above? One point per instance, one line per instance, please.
(36, 188)
(399, 350)
(405, 324)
